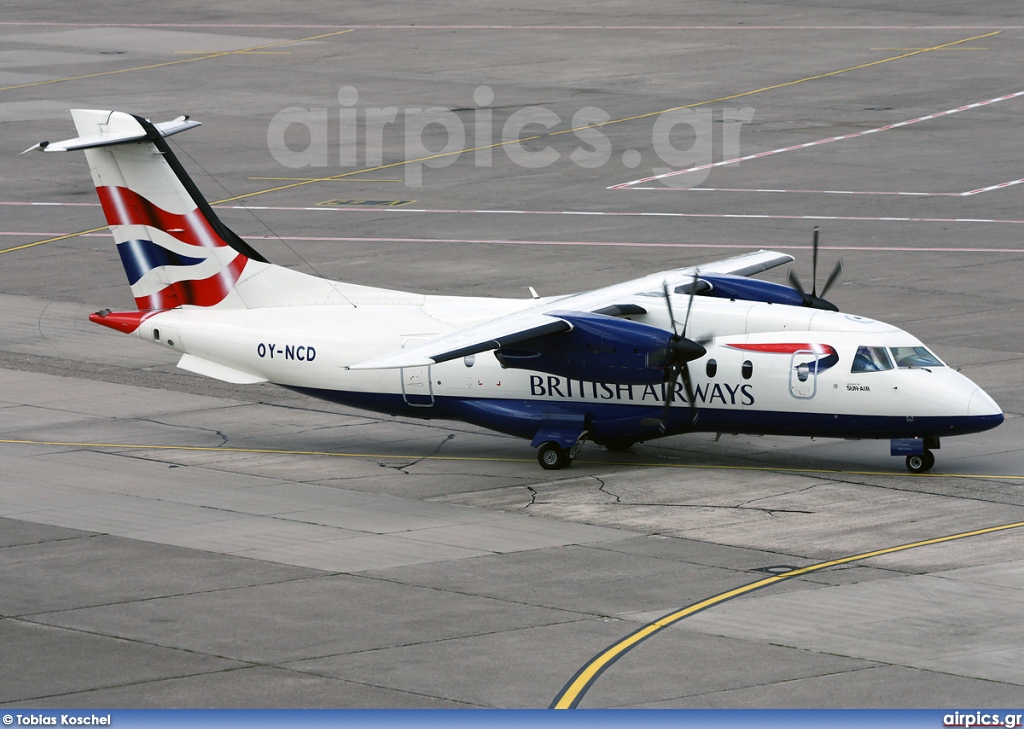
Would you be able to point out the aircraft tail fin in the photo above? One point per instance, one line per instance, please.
(176, 252)
(174, 249)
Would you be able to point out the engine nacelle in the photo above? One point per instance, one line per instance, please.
(726, 286)
(599, 348)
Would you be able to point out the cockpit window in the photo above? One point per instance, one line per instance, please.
(871, 359)
(914, 357)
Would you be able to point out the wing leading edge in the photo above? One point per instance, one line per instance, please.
(544, 318)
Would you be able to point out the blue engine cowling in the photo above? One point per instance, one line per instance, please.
(727, 286)
(599, 348)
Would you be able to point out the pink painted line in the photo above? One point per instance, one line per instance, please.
(1000, 186)
(829, 140)
(820, 192)
(351, 208)
(511, 27)
(29, 234)
(729, 246)
(610, 244)
(606, 213)
(51, 204)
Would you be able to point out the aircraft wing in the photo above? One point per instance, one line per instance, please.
(544, 318)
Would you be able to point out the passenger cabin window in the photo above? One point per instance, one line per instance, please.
(907, 357)
(747, 370)
(871, 359)
(711, 368)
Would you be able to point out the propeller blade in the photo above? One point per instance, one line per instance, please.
(670, 396)
(689, 394)
(833, 277)
(689, 306)
(795, 283)
(814, 263)
(671, 315)
(680, 351)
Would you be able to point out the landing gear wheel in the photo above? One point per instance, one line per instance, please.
(921, 463)
(553, 457)
(619, 445)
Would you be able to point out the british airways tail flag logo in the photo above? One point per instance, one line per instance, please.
(188, 263)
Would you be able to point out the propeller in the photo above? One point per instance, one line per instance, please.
(813, 300)
(681, 351)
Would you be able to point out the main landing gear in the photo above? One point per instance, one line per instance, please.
(552, 456)
(921, 463)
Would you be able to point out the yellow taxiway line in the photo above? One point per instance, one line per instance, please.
(494, 459)
(52, 240)
(577, 688)
(218, 54)
(573, 692)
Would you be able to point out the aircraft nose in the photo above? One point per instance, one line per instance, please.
(981, 404)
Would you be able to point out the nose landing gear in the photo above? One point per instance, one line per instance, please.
(918, 451)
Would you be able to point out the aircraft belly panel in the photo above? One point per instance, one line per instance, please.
(617, 422)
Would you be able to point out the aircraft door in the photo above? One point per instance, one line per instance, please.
(803, 374)
(417, 387)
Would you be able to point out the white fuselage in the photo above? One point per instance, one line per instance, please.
(310, 347)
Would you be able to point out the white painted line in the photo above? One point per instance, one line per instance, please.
(978, 191)
(608, 213)
(829, 140)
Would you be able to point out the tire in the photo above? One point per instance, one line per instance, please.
(922, 463)
(552, 457)
(619, 445)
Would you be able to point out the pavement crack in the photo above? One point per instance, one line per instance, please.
(603, 487)
(404, 468)
(729, 507)
(224, 438)
(775, 496)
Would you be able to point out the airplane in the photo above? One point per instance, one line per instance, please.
(693, 349)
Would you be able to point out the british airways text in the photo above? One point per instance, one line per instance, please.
(708, 394)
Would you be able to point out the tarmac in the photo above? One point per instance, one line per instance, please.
(172, 541)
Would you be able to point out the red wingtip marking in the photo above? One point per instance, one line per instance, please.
(125, 322)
